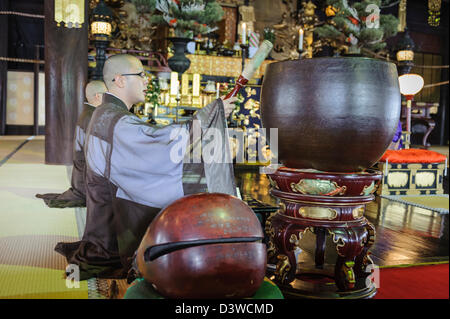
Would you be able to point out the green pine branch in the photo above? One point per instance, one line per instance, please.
(352, 21)
(185, 16)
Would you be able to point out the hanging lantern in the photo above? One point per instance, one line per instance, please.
(101, 20)
(410, 84)
(434, 11)
(69, 12)
(101, 31)
(405, 53)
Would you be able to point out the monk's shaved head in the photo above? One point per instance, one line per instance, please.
(93, 89)
(119, 64)
(125, 78)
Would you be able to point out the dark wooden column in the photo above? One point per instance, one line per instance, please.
(36, 93)
(65, 78)
(443, 105)
(4, 6)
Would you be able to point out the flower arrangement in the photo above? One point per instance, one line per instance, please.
(153, 91)
(269, 34)
(187, 17)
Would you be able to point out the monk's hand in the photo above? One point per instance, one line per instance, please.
(228, 105)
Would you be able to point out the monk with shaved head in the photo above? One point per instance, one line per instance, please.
(134, 169)
(75, 196)
(125, 78)
(94, 93)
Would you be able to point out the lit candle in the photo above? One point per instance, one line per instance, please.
(244, 34)
(173, 83)
(196, 85)
(185, 84)
(217, 90)
(300, 39)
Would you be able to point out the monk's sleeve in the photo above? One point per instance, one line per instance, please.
(147, 161)
(215, 148)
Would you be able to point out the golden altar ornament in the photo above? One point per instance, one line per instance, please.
(220, 65)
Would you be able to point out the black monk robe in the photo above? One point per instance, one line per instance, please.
(133, 170)
(75, 196)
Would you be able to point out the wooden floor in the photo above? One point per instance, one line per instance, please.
(29, 230)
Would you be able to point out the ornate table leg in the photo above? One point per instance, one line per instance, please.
(350, 243)
(270, 232)
(344, 274)
(286, 263)
(321, 234)
(284, 239)
(362, 260)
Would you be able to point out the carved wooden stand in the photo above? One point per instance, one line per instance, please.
(325, 204)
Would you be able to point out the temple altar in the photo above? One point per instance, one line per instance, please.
(221, 65)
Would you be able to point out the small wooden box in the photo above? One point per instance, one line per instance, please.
(411, 178)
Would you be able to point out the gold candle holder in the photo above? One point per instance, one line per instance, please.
(166, 98)
(196, 98)
(161, 98)
(206, 99)
(147, 108)
(186, 98)
(309, 42)
(174, 87)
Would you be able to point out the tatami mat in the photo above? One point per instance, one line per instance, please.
(7, 146)
(29, 230)
(32, 152)
(24, 282)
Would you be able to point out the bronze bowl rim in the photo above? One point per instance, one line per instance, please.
(331, 58)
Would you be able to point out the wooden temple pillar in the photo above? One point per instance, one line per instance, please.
(66, 68)
(444, 96)
(4, 6)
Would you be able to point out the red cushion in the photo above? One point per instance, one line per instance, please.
(412, 155)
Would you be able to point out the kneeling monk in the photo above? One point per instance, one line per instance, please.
(133, 170)
(75, 196)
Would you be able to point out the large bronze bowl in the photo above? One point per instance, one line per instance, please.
(332, 114)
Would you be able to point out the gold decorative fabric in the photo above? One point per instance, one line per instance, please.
(230, 24)
(69, 12)
(402, 16)
(220, 66)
